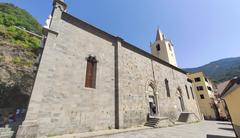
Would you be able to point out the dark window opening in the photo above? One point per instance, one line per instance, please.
(197, 79)
(200, 88)
(206, 79)
(209, 88)
(192, 92)
(167, 88)
(91, 71)
(158, 47)
(202, 96)
(187, 91)
(170, 47)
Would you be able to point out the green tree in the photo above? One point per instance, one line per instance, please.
(9, 20)
(12, 15)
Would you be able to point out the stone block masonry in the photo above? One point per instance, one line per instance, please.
(125, 78)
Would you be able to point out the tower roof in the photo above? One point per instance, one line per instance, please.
(158, 36)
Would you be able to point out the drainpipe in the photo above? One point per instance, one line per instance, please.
(230, 117)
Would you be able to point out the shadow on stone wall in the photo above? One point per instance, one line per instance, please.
(224, 123)
(217, 136)
(228, 129)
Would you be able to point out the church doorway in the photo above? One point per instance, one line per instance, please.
(152, 100)
(152, 106)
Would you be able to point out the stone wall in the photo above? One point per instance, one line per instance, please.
(60, 101)
(192, 103)
(137, 71)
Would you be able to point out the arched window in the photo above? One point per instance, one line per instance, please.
(158, 47)
(167, 88)
(91, 72)
(187, 91)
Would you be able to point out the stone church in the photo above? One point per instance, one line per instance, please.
(90, 80)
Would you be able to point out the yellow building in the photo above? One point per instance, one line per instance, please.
(231, 95)
(205, 95)
(223, 113)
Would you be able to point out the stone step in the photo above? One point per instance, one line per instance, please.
(153, 126)
(179, 123)
(6, 133)
(5, 129)
(158, 122)
(150, 123)
(5, 136)
(153, 120)
(158, 118)
(188, 117)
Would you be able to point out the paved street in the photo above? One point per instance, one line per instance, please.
(205, 129)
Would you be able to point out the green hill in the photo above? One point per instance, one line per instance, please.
(11, 15)
(221, 70)
(19, 50)
(11, 19)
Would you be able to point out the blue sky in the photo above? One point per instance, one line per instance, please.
(201, 30)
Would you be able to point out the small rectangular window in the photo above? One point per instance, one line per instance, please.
(202, 96)
(200, 88)
(170, 47)
(209, 88)
(197, 79)
(187, 91)
(206, 79)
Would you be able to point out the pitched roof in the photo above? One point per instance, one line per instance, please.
(231, 84)
(222, 86)
(158, 37)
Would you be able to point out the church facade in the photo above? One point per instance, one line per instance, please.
(90, 80)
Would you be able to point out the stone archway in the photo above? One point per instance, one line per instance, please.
(180, 99)
(152, 99)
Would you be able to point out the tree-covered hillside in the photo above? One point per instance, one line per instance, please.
(12, 18)
(19, 50)
(221, 70)
(11, 15)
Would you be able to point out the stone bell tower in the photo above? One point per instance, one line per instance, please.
(163, 49)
